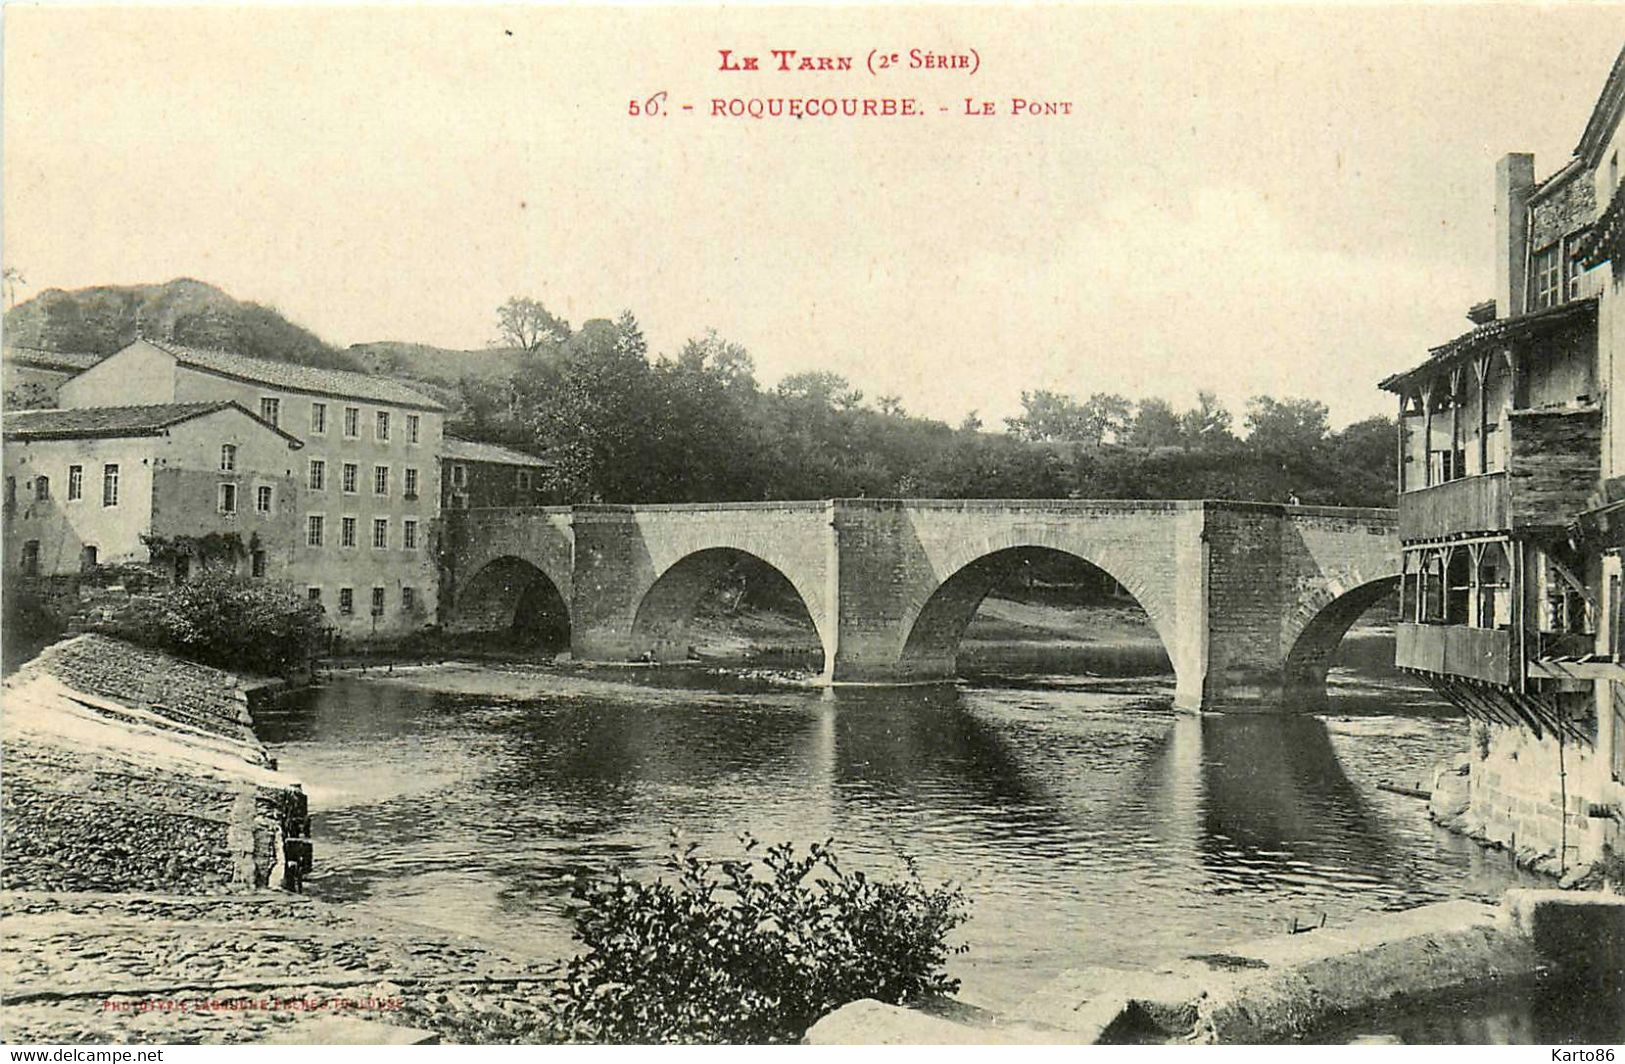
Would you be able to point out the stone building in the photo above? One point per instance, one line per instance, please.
(477, 474)
(1510, 463)
(92, 486)
(368, 488)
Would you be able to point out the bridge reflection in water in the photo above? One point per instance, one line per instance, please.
(1088, 821)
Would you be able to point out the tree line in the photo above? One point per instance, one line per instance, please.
(621, 426)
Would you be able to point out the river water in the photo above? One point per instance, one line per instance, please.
(1088, 822)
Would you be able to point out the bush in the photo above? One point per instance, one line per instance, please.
(236, 623)
(745, 951)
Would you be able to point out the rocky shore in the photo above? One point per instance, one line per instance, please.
(254, 967)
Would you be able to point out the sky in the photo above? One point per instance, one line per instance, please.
(1284, 200)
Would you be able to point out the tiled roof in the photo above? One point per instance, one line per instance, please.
(471, 451)
(1495, 333)
(111, 422)
(66, 361)
(339, 383)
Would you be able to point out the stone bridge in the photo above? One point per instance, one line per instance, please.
(1250, 599)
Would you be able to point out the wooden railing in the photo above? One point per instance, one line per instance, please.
(1471, 504)
(1456, 650)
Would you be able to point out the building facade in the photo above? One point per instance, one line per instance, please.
(474, 474)
(102, 486)
(368, 487)
(1510, 459)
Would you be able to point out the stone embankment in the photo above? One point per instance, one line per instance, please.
(127, 769)
(1285, 986)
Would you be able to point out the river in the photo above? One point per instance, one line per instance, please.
(1088, 822)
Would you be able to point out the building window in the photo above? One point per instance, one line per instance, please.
(409, 599)
(110, 485)
(347, 532)
(270, 409)
(352, 421)
(87, 557)
(76, 483)
(42, 488)
(411, 483)
(409, 534)
(31, 558)
(183, 567)
(382, 427)
(346, 601)
(318, 418)
(377, 602)
(1548, 276)
(1575, 267)
(313, 531)
(523, 480)
(317, 480)
(380, 480)
(228, 457)
(380, 533)
(314, 594)
(256, 563)
(11, 492)
(228, 498)
(413, 428)
(262, 499)
(350, 475)
(459, 476)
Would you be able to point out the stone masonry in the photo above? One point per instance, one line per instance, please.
(1249, 599)
(127, 769)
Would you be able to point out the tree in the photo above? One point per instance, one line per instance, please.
(1207, 425)
(971, 423)
(1051, 416)
(1295, 426)
(821, 388)
(890, 405)
(526, 324)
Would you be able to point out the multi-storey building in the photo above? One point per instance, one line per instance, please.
(1511, 464)
(100, 486)
(368, 483)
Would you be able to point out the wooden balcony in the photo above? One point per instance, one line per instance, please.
(1471, 504)
(1555, 463)
(1456, 650)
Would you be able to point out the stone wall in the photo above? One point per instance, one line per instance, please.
(1534, 798)
(183, 692)
(130, 770)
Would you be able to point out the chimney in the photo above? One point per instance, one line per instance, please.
(1514, 177)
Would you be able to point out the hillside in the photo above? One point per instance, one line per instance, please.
(443, 365)
(104, 318)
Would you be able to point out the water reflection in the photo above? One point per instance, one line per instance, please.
(1089, 823)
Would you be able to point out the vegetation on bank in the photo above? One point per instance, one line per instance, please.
(749, 950)
(242, 624)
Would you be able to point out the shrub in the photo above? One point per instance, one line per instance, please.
(750, 951)
(236, 623)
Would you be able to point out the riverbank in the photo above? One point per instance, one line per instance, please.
(123, 968)
(1293, 987)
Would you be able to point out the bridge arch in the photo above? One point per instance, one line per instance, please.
(509, 593)
(1316, 630)
(936, 625)
(661, 624)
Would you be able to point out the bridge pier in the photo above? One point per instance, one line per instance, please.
(1248, 599)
